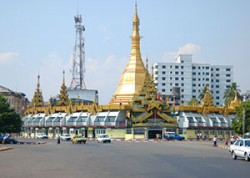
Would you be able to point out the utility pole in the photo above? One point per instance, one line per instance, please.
(244, 117)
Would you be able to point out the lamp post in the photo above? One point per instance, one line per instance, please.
(243, 119)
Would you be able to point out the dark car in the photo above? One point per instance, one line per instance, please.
(7, 140)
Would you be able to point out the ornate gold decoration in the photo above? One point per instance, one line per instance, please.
(235, 103)
(133, 76)
(64, 99)
(208, 99)
(37, 100)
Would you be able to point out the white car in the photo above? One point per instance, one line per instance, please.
(65, 137)
(104, 138)
(241, 148)
(41, 136)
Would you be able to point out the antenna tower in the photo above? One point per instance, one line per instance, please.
(78, 61)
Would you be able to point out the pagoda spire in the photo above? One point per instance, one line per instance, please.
(132, 79)
(208, 99)
(64, 99)
(37, 100)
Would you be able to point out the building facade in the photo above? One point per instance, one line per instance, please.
(185, 80)
(16, 100)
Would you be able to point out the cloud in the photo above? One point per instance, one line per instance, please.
(188, 48)
(8, 56)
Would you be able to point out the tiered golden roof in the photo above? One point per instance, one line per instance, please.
(133, 76)
(37, 100)
(64, 98)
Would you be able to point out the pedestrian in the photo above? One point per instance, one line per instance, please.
(4, 138)
(215, 140)
(226, 140)
(58, 140)
(232, 140)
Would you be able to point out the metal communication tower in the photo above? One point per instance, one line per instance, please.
(78, 65)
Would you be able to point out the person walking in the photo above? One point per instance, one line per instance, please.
(58, 139)
(215, 140)
(226, 140)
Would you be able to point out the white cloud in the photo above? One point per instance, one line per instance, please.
(188, 48)
(8, 56)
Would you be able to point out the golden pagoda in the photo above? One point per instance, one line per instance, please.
(37, 100)
(64, 99)
(133, 76)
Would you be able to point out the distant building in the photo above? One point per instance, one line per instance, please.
(85, 95)
(17, 100)
(185, 80)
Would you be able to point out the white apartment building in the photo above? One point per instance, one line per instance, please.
(184, 80)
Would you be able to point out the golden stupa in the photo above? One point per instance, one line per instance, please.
(133, 76)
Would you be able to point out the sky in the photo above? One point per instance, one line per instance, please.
(37, 38)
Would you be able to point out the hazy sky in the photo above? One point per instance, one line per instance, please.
(37, 37)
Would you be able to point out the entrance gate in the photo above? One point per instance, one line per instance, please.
(153, 133)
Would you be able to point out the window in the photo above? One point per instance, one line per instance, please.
(207, 73)
(182, 78)
(164, 67)
(163, 78)
(163, 90)
(170, 72)
(217, 86)
(194, 79)
(217, 69)
(228, 75)
(163, 72)
(182, 67)
(163, 84)
(194, 67)
(182, 84)
(194, 91)
(207, 79)
(217, 92)
(177, 67)
(176, 78)
(194, 85)
(228, 80)
(199, 67)
(228, 69)
(182, 73)
(194, 73)
(217, 97)
(176, 73)
(217, 75)
(182, 90)
(177, 84)
(207, 67)
(156, 72)
(170, 78)
(217, 80)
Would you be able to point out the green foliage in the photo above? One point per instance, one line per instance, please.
(10, 121)
(229, 94)
(202, 94)
(238, 122)
(193, 102)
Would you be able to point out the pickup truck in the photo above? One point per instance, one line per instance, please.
(78, 139)
(174, 137)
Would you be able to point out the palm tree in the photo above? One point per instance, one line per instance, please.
(193, 102)
(230, 93)
(203, 92)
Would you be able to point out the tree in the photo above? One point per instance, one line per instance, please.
(10, 121)
(237, 124)
(229, 94)
(203, 92)
(193, 102)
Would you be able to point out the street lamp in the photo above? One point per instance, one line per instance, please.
(243, 119)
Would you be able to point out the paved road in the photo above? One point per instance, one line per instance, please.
(120, 159)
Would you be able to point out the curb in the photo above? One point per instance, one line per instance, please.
(5, 148)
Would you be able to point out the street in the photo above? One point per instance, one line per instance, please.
(120, 159)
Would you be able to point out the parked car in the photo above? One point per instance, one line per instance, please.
(78, 139)
(7, 140)
(173, 136)
(41, 136)
(65, 137)
(104, 138)
(241, 148)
